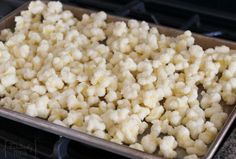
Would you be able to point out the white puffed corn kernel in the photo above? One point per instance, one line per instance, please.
(57, 114)
(194, 156)
(128, 64)
(4, 54)
(140, 111)
(130, 91)
(174, 117)
(182, 135)
(165, 127)
(222, 49)
(42, 106)
(194, 113)
(66, 15)
(215, 108)
(118, 115)
(142, 127)
(209, 134)
(77, 54)
(156, 129)
(116, 141)
(43, 48)
(119, 28)
(54, 83)
(167, 146)
(101, 134)
(155, 113)
(59, 122)
(72, 102)
(149, 143)
(210, 98)
(9, 77)
(195, 127)
(137, 146)
(218, 119)
(181, 89)
(39, 89)
(151, 98)
(54, 7)
(198, 148)
(24, 51)
(36, 7)
(94, 122)
(39, 109)
(196, 51)
(2, 89)
(74, 118)
(34, 37)
(67, 76)
(5, 34)
(111, 96)
(130, 129)
(173, 103)
(31, 110)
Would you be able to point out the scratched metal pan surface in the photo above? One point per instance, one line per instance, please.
(205, 42)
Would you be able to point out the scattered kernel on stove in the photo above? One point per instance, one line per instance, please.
(113, 79)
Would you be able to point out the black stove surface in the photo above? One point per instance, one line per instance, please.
(18, 141)
(216, 18)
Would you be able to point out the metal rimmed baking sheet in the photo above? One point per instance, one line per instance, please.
(205, 42)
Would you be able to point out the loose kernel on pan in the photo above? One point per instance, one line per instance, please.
(113, 80)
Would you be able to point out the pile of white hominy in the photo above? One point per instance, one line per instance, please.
(113, 80)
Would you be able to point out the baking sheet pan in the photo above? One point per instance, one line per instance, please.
(205, 42)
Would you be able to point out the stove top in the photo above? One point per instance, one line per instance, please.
(18, 141)
(215, 18)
